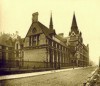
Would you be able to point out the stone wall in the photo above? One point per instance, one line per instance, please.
(35, 57)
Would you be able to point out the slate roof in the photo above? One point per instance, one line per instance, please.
(45, 29)
(61, 38)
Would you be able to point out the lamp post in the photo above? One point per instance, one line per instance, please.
(73, 63)
(73, 60)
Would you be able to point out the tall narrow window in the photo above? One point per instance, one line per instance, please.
(17, 53)
(34, 40)
(30, 41)
(16, 46)
(37, 39)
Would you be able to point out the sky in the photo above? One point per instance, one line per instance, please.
(16, 15)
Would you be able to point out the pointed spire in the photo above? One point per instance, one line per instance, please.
(74, 23)
(51, 22)
(74, 26)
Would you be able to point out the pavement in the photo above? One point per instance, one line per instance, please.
(15, 76)
(63, 77)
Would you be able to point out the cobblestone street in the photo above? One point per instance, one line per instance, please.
(74, 77)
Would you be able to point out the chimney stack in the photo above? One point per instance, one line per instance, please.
(35, 17)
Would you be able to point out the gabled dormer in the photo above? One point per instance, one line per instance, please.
(38, 33)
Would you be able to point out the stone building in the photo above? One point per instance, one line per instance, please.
(43, 47)
(79, 51)
(18, 51)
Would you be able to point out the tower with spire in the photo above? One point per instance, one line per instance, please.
(75, 34)
(76, 45)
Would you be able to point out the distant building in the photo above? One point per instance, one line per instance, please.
(18, 51)
(79, 52)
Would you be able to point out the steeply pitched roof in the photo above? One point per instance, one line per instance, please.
(60, 38)
(46, 31)
(74, 23)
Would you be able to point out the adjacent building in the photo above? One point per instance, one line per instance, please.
(79, 51)
(6, 56)
(18, 51)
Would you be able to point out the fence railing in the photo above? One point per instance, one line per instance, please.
(92, 78)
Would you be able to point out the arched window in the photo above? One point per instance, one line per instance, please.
(34, 30)
(16, 46)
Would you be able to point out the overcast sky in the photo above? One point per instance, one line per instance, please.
(16, 15)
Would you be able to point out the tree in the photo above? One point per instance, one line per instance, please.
(8, 39)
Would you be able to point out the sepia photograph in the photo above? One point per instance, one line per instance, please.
(49, 42)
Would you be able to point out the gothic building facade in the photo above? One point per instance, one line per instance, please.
(42, 47)
(79, 52)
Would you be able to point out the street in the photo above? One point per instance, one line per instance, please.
(74, 77)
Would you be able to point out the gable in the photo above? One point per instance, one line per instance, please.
(34, 29)
(39, 28)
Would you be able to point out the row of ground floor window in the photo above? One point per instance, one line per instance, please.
(54, 58)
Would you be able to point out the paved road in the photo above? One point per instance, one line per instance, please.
(73, 77)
